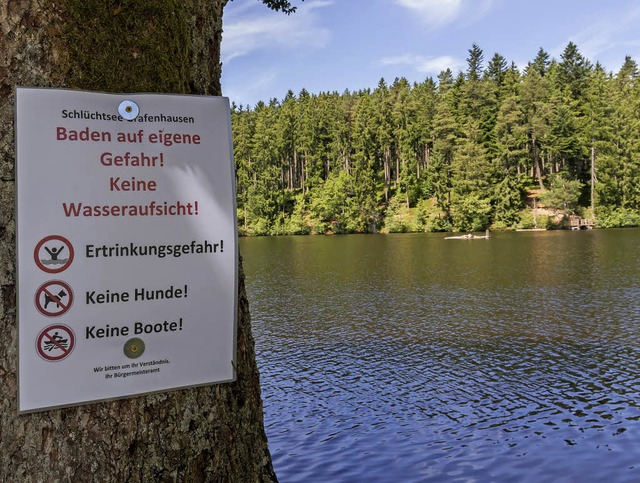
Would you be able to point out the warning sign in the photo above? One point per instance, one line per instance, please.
(129, 244)
(53, 254)
(54, 298)
(55, 343)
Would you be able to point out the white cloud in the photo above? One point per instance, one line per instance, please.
(427, 65)
(609, 33)
(438, 13)
(250, 26)
(608, 36)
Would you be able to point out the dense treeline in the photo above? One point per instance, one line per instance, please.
(464, 152)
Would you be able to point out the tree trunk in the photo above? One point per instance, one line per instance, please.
(536, 162)
(212, 433)
(387, 175)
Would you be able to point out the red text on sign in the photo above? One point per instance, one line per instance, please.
(64, 134)
(133, 184)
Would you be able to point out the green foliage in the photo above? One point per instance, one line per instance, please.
(508, 198)
(331, 204)
(454, 153)
(527, 221)
(280, 5)
(621, 218)
(471, 213)
(400, 219)
(431, 217)
(563, 193)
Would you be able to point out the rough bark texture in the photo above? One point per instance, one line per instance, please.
(213, 433)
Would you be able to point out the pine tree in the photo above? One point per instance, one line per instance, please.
(573, 71)
(474, 63)
(445, 135)
(404, 133)
(471, 142)
(620, 177)
(540, 64)
(537, 112)
(366, 176)
(511, 136)
(496, 69)
(243, 133)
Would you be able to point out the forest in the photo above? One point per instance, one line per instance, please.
(492, 147)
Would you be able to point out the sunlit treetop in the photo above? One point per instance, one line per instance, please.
(280, 5)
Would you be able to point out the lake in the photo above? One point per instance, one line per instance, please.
(411, 358)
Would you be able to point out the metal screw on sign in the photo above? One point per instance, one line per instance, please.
(134, 348)
(128, 110)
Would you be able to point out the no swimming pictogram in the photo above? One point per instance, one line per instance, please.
(53, 254)
(54, 298)
(55, 342)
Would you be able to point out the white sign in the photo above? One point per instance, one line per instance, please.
(127, 245)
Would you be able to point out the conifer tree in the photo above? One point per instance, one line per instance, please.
(540, 64)
(465, 145)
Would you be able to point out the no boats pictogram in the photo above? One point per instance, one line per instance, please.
(54, 298)
(53, 254)
(55, 342)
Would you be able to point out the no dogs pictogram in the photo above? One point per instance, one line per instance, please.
(54, 298)
(53, 254)
(55, 342)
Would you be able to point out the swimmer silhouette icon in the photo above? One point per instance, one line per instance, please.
(53, 254)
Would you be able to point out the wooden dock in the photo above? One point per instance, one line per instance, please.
(577, 223)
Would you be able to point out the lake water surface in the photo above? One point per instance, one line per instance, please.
(410, 358)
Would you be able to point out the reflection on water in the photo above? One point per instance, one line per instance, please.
(411, 358)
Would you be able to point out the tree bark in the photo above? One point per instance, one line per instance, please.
(212, 433)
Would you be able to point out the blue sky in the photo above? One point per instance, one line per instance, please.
(333, 45)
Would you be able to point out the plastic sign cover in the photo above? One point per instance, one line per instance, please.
(127, 245)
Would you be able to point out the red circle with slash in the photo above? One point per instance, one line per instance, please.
(55, 343)
(56, 294)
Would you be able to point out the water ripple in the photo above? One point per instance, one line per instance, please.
(395, 373)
